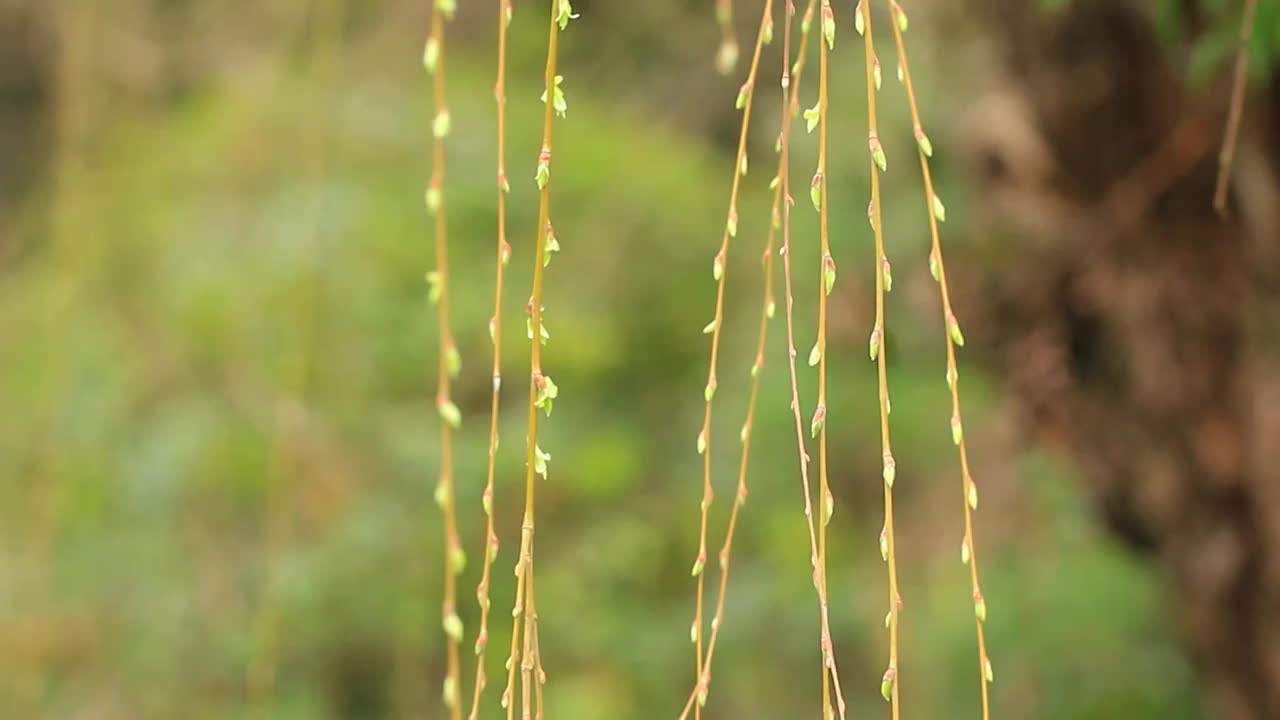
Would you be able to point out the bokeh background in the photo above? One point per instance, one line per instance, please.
(218, 444)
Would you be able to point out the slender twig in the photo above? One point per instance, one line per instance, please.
(1236, 110)
(448, 363)
(879, 351)
(542, 390)
(719, 266)
(819, 583)
(490, 545)
(702, 687)
(969, 492)
(826, 280)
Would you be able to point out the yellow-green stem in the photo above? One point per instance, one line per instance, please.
(969, 550)
(893, 675)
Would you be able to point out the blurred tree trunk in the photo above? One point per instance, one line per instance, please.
(1135, 327)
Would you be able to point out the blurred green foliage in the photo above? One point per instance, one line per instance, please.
(218, 445)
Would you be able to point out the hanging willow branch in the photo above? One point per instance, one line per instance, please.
(819, 582)
(495, 333)
(542, 392)
(449, 361)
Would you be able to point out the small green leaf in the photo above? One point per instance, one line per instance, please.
(547, 392)
(812, 116)
(540, 461)
(565, 14)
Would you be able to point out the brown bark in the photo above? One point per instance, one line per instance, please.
(1134, 326)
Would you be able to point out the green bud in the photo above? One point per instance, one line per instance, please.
(717, 266)
(806, 23)
(743, 93)
(972, 496)
(888, 275)
(440, 126)
(884, 545)
(828, 274)
(435, 286)
(890, 469)
(453, 360)
(935, 269)
(450, 414)
(979, 606)
(447, 7)
(819, 420)
(886, 683)
(828, 507)
(442, 495)
(486, 502)
(544, 334)
(815, 191)
(957, 432)
(964, 552)
(814, 355)
(766, 32)
(431, 54)
(873, 345)
(453, 627)
(698, 564)
(877, 153)
(953, 329)
(888, 619)
(770, 309)
(775, 182)
(709, 391)
(742, 166)
(859, 21)
(702, 441)
(828, 25)
(901, 76)
(450, 693)
(457, 560)
(876, 75)
(710, 327)
(939, 210)
(731, 225)
(901, 17)
(922, 140)
(432, 197)
(727, 56)
(552, 245)
(986, 670)
(702, 697)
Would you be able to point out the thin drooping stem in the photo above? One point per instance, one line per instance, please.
(448, 362)
(719, 271)
(826, 279)
(727, 53)
(542, 390)
(490, 545)
(1236, 110)
(969, 491)
(879, 350)
(703, 685)
(819, 583)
